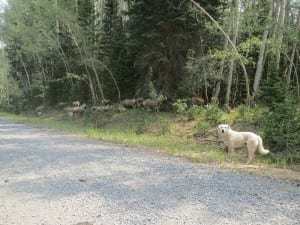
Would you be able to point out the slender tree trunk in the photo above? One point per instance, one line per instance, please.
(28, 82)
(232, 45)
(261, 57)
(280, 31)
(99, 9)
(94, 96)
(296, 76)
(54, 36)
(91, 85)
(112, 77)
(4, 80)
(92, 66)
(234, 40)
(293, 62)
(291, 65)
(76, 5)
(222, 64)
(123, 6)
(45, 84)
(56, 21)
(292, 58)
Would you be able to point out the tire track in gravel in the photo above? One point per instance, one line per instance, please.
(50, 178)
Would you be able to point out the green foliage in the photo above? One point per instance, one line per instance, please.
(194, 111)
(115, 54)
(242, 110)
(272, 90)
(74, 50)
(203, 128)
(253, 115)
(281, 123)
(168, 31)
(152, 93)
(180, 106)
(164, 126)
(281, 127)
(196, 79)
(213, 115)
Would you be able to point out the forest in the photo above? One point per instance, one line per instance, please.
(226, 52)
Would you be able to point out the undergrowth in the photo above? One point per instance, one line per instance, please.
(192, 134)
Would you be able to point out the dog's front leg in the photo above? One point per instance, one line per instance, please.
(230, 150)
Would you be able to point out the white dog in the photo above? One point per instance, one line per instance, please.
(234, 139)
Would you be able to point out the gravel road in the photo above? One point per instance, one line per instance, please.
(52, 178)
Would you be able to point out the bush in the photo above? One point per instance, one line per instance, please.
(194, 111)
(213, 115)
(180, 106)
(250, 115)
(242, 111)
(281, 129)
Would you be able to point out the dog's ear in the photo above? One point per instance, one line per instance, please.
(228, 126)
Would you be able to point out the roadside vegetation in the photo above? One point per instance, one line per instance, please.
(157, 74)
(191, 134)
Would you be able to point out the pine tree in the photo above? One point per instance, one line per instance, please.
(114, 52)
(281, 124)
(272, 90)
(160, 34)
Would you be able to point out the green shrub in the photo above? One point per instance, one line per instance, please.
(281, 130)
(213, 115)
(242, 111)
(194, 111)
(180, 106)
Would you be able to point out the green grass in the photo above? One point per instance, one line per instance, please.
(133, 128)
(163, 132)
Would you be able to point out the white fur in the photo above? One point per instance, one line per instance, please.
(234, 139)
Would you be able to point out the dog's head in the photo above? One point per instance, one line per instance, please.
(223, 128)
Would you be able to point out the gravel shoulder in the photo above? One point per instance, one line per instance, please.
(50, 178)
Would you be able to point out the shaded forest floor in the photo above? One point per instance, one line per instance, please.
(192, 135)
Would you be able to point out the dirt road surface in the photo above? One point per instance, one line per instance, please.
(52, 178)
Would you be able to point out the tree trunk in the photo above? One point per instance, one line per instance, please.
(84, 60)
(292, 64)
(222, 64)
(296, 77)
(261, 57)
(234, 40)
(99, 11)
(292, 58)
(280, 31)
(27, 82)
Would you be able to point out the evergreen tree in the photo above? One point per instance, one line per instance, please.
(272, 90)
(281, 124)
(281, 127)
(114, 52)
(160, 34)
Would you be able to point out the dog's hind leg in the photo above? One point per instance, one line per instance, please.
(251, 147)
(250, 157)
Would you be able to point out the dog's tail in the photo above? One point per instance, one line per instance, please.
(261, 149)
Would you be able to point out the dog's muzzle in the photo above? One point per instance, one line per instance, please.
(223, 131)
